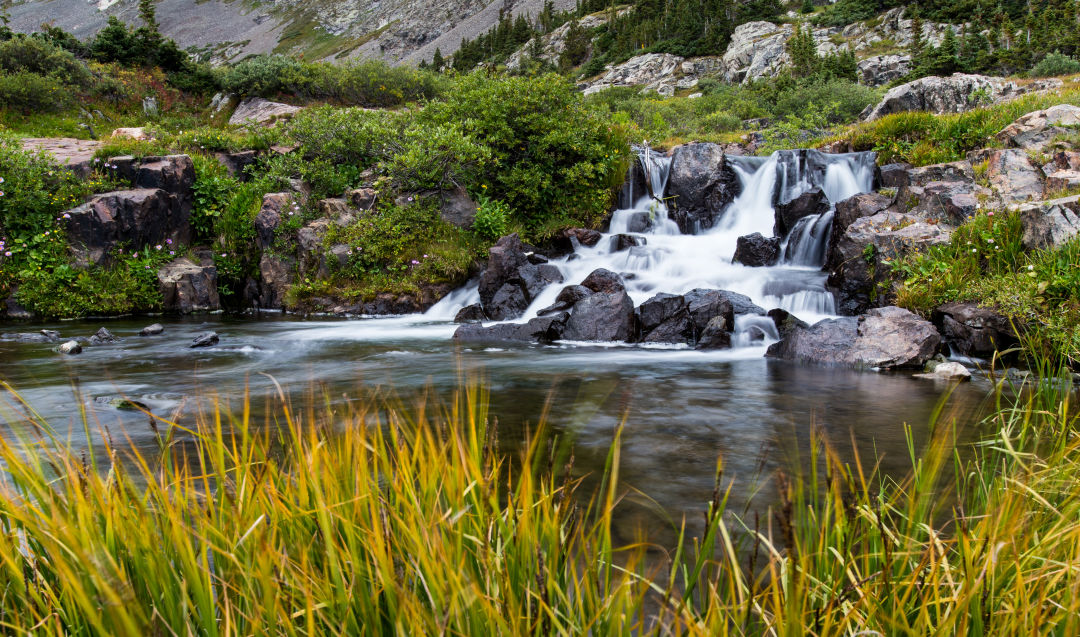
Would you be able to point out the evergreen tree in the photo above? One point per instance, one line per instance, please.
(437, 61)
(803, 51)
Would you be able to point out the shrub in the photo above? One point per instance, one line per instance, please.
(1055, 63)
(30, 92)
(263, 75)
(435, 157)
(36, 190)
(344, 135)
(43, 58)
(492, 218)
(212, 190)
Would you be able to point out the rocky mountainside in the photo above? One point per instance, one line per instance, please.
(393, 30)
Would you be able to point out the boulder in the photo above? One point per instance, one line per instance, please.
(188, 287)
(960, 171)
(786, 322)
(716, 335)
(259, 111)
(664, 318)
(136, 218)
(603, 316)
(651, 71)
(811, 202)
(566, 299)
(884, 338)
(954, 94)
(470, 314)
(275, 208)
(510, 283)
(458, 208)
(362, 198)
(1063, 180)
(75, 155)
(971, 330)
(638, 222)
(879, 70)
(894, 175)
(757, 250)
(545, 330)
(103, 337)
(152, 330)
(951, 202)
(603, 281)
(70, 347)
(858, 262)
(1050, 223)
(700, 185)
(276, 276)
(582, 236)
(206, 339)
(1036, 130)
(175, 174)
(853, 208)
(947, 371)
(705, 305)
(237, 163)
(1014, 177)
(137, 133)
(756, 49)
(740, 303)
(622, 242)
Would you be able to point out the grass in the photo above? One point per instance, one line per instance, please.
(386, 517)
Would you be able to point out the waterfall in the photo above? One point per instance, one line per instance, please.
(677, 263)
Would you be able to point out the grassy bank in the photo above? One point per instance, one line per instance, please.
(407, 519)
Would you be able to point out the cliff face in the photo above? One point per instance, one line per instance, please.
(226, 30)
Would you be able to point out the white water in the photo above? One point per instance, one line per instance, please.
(677, 263)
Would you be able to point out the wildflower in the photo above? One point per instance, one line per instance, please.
(415, 262)
(425, 256)
(1031, 268)
(1, 193)
(223, 255)
(8, 253)
(67, 216)
(990, 214)
(990, 241)
(974, 250)
(157, 247)
(168, 242)
(1, 180)
(172, 252)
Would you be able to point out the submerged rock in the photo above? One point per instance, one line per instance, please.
(103, 337)
(811, 202)
(947, 371)
(152, 330)
(206, 339)
(70, 348)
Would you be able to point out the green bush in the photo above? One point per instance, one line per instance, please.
(43, 58)
(492, 218)
(435, 157)
(30, 92)
(36, 190)
(1055, 63)
(213, 189)
(351, 136)
(264, 75)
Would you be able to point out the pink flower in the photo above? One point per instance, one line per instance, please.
(8, 253)
(157, 247)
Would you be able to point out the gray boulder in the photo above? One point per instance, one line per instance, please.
(811, 202)
(566, 299)
(884, 338)
(188, 287)
(103, 337)
(1050, 223)
(664, 318)
(954, 94)
(543, 330)
(700, 185)
(137, 218)
(1036, 130)
(275, 208)
(972, 330)
(879, 70)
(470, 314)
(1014, 177)
(70, 348)
(757, 250)
(510, 283)
(622, 242)
(256, 110)
(152, 330)
(206, 339)
(603, 316)
(458, 208)
(716, 335)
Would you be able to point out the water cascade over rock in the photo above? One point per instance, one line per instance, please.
(672, 245)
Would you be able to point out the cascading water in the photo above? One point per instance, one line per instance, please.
(677, 263)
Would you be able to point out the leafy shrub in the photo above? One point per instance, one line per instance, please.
(1055, 63)
(344, 135)
(33, 93)
(492, 218)
(36, 190)
(43, 58)
(212, 190)
(264, 75)
(435, 157)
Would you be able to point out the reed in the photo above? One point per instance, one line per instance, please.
(394, 518)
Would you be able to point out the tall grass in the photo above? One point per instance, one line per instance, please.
(389, 518)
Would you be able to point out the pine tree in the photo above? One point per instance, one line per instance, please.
(437, 61)
(803, 51)
(807, 6)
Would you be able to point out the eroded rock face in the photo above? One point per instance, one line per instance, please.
(701, 184)
(1014, 177)
(275, 207)
(1036, 130)
(256, 110)
(1050, 223)
(879, 70)
(663, 73)
(857, 261)
(884, 338)
(276, 275)
(188, 287)
(757, 49)
(175, 174)
(137, 218)
(972, 330)
(954, 94)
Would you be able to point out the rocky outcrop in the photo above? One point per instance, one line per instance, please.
(552, 45)
(188, 287)
(700, 185)
(275, 207)
(510, 283)
(137, 218)
(276, 275)
(1050, 223)
(1036, 130)
(757, 250)
(883, 338)
(76, 155)
(853, 208)
(261, 112)
(971, 330)
(879, 70)
(757, 49)
(954, 94)
(175, 174)
(858, 261)
(663, 73)
(1013, 177)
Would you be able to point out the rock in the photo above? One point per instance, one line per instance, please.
(175, 174)
(552, 45)
(27, 338)
(664, 318)
(756, 250)
(237, 163)
(811, 202)
(954, 94)
(652, 72)
(103, 337)
(337, 209)
(276, 276)
(716, 335)
(884, 338)
(740, 303)
(1050, 223)
(971, 330)
(538, 330)
(569, 240)
(275, 208)
(70, 348)
(622, 242)
(537, 259)
(786, 322)
(509, 283)
(879, 70)
(259, 111)
(858, 272)
(604, 316)
(566, 300)
(206, 339)
(139, 134)
(639, 222)
(947, 371)
(705, 305)
(1063, 180)
(1014, 177)
(187, 287)
(76, 155)
(458, 208)
(853, 208)
(960, 171)
(152, 330)
(604, 281)
(1035, 130)
(51, 335)
(137, 218)
(1063, 160)
(362, 198)
(10, 308)
(700, 185)
(894, 175)
(757, 49)
(951, 202)
(470, 314)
